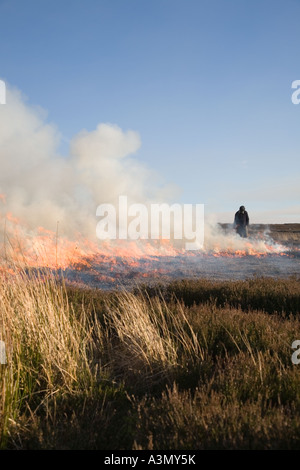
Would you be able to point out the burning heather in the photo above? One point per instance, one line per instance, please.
(100, 165)
(112, 264)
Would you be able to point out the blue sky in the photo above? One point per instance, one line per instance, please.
(205, 83)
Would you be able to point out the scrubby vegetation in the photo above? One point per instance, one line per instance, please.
(190, 365)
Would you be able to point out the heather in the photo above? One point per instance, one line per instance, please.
(193, 364)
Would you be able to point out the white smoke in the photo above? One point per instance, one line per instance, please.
(218, 239)
(39, 187)
(42, 188)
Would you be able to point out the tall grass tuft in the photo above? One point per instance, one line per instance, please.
(49, 349)
(149, 339)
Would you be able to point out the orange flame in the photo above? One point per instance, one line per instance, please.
(45, 249)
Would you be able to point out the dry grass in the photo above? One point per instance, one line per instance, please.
(48, 349)
(147, 338)
(133, 370)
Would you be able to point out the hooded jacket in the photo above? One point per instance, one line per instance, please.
(241, 218)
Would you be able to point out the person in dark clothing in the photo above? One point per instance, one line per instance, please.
(241, 222)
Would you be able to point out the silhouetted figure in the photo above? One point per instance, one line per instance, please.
(241, 222)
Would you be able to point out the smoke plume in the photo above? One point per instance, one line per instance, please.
(39, 187)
